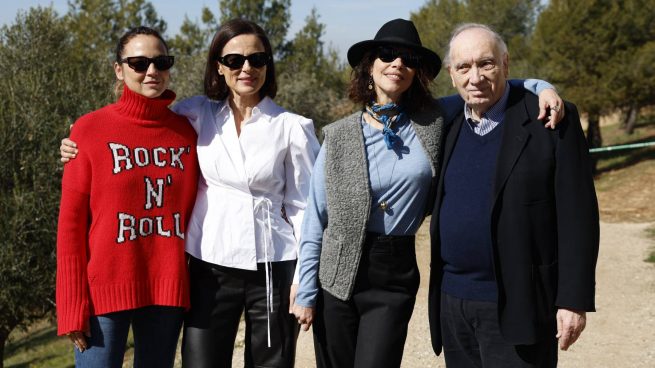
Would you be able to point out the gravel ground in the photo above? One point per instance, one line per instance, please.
(620, 334)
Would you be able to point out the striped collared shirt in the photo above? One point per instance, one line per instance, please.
(491, 118)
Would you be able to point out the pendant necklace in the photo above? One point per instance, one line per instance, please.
(382, 205)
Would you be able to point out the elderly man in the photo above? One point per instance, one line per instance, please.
(515, 225)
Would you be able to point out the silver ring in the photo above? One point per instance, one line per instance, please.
(555, 108)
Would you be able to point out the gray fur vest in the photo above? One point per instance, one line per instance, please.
(349, 195)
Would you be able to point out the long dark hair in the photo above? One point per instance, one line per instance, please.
(215, 86)
(416, 97)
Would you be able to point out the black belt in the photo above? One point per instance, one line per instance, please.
(389, 239)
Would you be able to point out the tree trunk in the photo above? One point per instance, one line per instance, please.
(594, 138)
(631, 119)
(625, 115)
(3, 339)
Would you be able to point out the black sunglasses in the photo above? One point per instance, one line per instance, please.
(236, 61)
(141, 63)
(389, 54)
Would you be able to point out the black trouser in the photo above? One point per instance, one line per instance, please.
(370, 329)
(472, 338)
(219, 295)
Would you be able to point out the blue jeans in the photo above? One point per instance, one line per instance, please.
(156, 330)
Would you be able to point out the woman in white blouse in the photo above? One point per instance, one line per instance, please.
(256, 161)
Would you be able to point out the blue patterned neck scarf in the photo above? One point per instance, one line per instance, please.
(386, 115)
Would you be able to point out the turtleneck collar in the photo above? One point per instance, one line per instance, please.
(136, 106)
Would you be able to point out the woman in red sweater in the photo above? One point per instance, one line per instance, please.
(125, 205)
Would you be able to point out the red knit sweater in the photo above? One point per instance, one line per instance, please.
(126, 200)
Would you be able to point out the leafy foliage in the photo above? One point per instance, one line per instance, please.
(588, 47)
(190, 47)
(272, 15)
(312, 83)
(34, 107)
(574, 48)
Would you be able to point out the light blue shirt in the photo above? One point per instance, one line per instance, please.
(491, 118)
(400, 177)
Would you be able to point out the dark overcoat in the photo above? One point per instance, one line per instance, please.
(544, 222)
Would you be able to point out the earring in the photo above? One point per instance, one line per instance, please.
(370, 83)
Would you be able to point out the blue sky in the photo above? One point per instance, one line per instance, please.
(347, 21)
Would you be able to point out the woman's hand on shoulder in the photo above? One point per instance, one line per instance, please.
(551, 105)
(67, 150)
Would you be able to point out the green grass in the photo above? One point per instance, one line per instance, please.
(614, 135)
(40, 347)
(650, 232)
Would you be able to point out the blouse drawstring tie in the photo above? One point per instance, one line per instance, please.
(263, 209)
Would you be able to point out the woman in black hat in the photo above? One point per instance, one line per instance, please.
(371, 188)
(370, 185)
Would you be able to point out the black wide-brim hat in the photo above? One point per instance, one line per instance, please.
(398, 32)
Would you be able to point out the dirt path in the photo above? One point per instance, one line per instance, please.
(620, 334)
(622, 331)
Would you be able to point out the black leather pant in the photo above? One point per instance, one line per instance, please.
(219, 296)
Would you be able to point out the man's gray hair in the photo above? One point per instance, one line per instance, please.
(500, 43)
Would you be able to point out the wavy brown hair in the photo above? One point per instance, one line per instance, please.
(416, 97)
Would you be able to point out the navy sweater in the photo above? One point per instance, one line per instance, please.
(465, 216)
